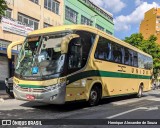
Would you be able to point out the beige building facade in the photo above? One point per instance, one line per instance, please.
(32, 11)
(150, 25)
(23, 16)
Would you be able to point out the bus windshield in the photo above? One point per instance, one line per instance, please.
(41, 56)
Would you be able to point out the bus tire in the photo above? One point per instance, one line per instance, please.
(10, 94)
(94, 96)
(140, 92)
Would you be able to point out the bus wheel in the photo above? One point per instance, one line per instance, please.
(94, 96)
(140, 92)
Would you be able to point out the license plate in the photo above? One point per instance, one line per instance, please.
(30, 97)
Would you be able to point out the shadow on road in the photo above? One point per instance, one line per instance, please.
(34, 110)
(72, 106)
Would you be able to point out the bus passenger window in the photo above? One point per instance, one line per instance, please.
(103, 50)
(75, 54)
(135, 59)
(79, 49)
(128, 58)
(131, 57)
(117, 53)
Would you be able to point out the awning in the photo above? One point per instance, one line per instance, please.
(4, 50)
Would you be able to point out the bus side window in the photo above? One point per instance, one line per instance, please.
(135, 59)
(79, 49)
(75, 54)
(128, 57)
(103, 50)
(117, 52)
(87, 39)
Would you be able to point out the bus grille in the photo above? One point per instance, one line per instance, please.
(31, 89)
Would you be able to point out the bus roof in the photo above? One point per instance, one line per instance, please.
(85, 28)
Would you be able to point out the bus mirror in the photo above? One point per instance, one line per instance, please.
(10, 46)
(65, 42)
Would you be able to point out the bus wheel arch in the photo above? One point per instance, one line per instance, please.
(140, 90)
(95, 94)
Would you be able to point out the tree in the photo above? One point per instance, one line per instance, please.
(149, 46)
(3, 7)
(135, 39)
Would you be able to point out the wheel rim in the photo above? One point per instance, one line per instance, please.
(140, 92)
(93, 96)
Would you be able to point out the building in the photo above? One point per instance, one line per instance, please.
(86, 12)
(150, 25)
(23, 16)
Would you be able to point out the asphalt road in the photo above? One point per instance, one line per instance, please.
(128, 107)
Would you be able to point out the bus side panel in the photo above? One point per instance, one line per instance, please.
(75, 91)
(120, 79)
(119, 86)
(147, 85)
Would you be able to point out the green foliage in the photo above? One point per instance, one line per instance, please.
(3, 7)
(135, 39)
(149, 46)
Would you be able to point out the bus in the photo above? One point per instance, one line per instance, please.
(78, 62)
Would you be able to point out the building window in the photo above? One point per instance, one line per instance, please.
(158, 16)
(71, 15)
(52, 5)
(35, 1)
(86, 21)
(28, 21)
(157, 26)
(8, 13)
(45, 25)
(95, 7)
(107, 31)
(158, 21)
(99, 27)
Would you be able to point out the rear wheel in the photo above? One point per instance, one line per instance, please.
(94, 96)
(140, 92)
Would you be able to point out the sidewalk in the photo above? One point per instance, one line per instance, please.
(3, 95)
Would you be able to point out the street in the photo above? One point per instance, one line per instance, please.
(128, 107)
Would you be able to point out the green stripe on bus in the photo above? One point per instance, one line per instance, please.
(30, 86)
(93, 73)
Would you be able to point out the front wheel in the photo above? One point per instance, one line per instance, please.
(94, 96)
(10, 94)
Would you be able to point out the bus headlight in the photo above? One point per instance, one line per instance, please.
(53, 87)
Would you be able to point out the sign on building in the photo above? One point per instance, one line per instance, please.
(16, 27)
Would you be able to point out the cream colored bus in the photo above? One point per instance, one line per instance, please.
(78, 62)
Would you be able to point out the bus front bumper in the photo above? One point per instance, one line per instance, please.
(56, 96)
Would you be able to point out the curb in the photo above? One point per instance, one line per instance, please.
(3, 95)
(1, 100)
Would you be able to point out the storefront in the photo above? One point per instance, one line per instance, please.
(10, 30)
(6, 65)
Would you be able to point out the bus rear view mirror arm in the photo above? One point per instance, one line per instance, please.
(10, 46)
(65, 42)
